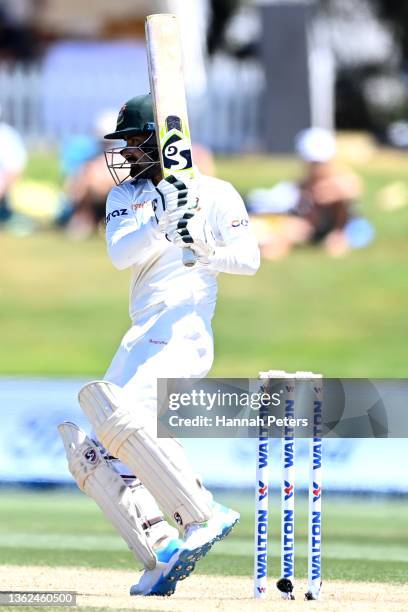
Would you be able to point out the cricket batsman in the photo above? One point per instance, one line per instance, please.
(141, 482)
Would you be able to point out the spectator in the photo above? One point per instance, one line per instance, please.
(13, 159)
(87, 181)
(320, 208)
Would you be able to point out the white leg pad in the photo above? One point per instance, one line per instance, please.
(160, 464)
(103, 484)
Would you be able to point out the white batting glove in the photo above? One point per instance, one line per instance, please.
(195, 233)
(177, 199)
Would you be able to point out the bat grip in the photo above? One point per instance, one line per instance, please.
(189, 257)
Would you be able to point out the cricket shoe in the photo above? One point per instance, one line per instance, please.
(202, 536)
(175, 561)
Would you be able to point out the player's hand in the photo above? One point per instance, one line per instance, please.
(194, 233)
(177, 200)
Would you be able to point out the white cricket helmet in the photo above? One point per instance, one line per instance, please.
(315, 145)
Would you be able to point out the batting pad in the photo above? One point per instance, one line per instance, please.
(160, 464)
(98, 479)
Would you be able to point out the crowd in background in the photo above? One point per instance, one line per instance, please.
(322, 208)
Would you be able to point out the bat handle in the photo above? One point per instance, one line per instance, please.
(189, 257)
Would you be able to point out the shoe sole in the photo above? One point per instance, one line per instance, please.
(185, 565)
(201, 551)
(181, 569)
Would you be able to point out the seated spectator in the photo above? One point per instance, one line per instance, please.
(87, 181)
(319, 209)
(13, 159)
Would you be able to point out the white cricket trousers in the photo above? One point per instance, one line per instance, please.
(174, 342)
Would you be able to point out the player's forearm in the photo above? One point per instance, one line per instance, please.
(128, 246)
(241, 257)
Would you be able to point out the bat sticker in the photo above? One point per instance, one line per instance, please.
(177, 153)
(176, 147)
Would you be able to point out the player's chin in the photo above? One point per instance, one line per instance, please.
(147, 172)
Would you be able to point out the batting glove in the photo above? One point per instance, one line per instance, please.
(177, 200)
(194, 233)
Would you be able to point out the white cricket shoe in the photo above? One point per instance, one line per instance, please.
(204, 535)
(175, 561)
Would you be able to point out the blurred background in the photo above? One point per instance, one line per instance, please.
(303, 106)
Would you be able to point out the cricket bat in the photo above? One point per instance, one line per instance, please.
(165, 64)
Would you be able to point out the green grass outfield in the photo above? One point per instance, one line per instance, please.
(362, 539)
(63, 307)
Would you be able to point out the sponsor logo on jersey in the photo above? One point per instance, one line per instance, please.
(238, 222)
(137, 205)
(120, 212)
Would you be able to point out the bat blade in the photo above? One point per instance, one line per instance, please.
(164, 59)
(169, 100)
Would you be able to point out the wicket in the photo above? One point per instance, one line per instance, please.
(286, 582)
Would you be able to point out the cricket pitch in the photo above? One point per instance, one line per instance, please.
(108, 589)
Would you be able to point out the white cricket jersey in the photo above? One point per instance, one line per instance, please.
(158, 276)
